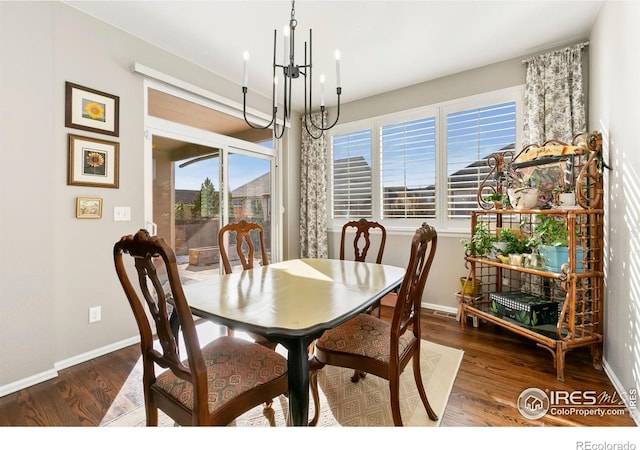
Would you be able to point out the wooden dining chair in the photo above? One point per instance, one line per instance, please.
(214, 384)
(244, 245)
(371, 345)
(245, 249)
(360, 231)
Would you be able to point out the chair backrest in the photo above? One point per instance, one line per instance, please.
(407, 309)
(244, 244)
(362, 231)
(154, 260)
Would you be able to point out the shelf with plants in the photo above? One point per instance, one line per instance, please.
(519, 285)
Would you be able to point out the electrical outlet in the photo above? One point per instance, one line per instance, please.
(95, 314)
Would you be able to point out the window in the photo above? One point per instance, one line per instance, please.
(472, 136)
(407, 169)
(352, 175)
(420, 165)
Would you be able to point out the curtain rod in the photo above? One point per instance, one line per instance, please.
(582, 45)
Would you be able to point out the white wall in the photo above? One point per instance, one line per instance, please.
(27, 225)
(54, 266)
(614, 95)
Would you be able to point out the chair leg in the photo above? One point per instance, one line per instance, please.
(394, 389)
(314, 366)
(357, 374)
(423, 394)
(377, 309)
(152, 415)
(270, 415)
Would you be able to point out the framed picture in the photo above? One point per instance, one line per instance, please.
(548, 178)
(88, 208)
(92, 162)
(91, 110)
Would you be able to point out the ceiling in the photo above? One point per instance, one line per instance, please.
(384, 45)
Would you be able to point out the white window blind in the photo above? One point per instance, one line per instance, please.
(420, 165)
(408, 169)
(472, 136)
(351, 175)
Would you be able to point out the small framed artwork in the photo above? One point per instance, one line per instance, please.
(88, 208)
(92, 162)
(91, 110)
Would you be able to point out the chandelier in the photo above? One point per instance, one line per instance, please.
(291, 70)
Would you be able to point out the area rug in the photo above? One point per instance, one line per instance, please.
(362, 404)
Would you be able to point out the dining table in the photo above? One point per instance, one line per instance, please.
(292, 303)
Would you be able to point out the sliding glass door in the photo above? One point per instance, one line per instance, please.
(198, 180)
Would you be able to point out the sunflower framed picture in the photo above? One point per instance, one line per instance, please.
(88, 208)
(91, 110)
(92, 162)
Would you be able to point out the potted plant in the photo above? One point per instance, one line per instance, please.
(469, 286)
(514, 241)
(532, 258)
(481, 243)
(500, 245)
(553, 235)
(565, 198)
(514, 246)
(551, 231)
(499, 200)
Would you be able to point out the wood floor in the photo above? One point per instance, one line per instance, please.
(497, 366)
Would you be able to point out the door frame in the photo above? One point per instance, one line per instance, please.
(165, 128)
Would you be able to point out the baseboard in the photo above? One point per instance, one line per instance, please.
(95, 353)
(27, 382)
(621, 390)
(53, 373)
(440, 308)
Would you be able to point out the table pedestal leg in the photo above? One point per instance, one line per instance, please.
(298, 366)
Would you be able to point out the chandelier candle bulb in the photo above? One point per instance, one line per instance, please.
(321, 90)
(245, 73)
(337, 68)
(285, 42)
(275, 90)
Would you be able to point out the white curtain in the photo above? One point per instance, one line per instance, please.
(313, 192)
(554, 98)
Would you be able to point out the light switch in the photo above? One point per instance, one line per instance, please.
(121, 213)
